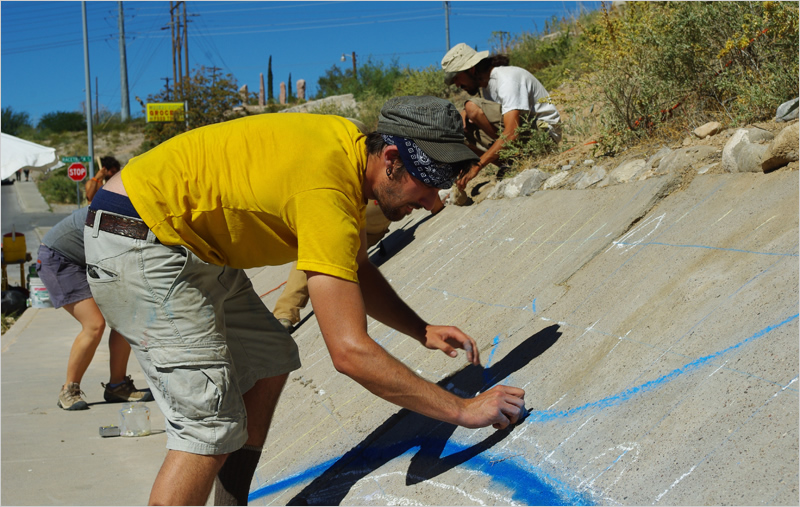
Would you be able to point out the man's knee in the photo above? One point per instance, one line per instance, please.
(472, 110)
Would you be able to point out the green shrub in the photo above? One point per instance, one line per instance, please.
(427, 81)
(62, 121)
(671, 65)
(14, 123)
(531, 144)
(372, 77)
(56, 187)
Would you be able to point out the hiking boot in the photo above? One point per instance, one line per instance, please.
(70, 397)
(125, 391)
(287, 324)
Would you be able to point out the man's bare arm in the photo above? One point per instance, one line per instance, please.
(340, 311)
(94, 184)
(510, 124)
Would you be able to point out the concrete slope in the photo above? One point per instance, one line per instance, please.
(655, 332)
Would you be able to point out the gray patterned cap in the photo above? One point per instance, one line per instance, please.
(433, 123)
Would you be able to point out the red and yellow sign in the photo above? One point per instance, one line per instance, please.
(165, 111)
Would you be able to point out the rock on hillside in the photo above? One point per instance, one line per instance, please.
(763, 147)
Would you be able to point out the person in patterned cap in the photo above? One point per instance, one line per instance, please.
(167, 241)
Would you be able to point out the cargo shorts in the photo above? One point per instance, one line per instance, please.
(199, 331)
(494, 114)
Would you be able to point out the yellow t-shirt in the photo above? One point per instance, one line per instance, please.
(257, 191)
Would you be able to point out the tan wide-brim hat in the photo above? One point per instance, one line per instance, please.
(462, 57)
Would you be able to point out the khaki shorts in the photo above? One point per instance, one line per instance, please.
(493, 112)
(200, 332)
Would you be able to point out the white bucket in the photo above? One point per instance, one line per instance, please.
(40, 297)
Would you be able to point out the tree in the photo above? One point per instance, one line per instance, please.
(14, 123)
(372, 78)
(289, 89)
(62, 121)
(211, 97)
(270, 95)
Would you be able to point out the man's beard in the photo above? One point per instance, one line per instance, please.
(473, 86)
(389, 201)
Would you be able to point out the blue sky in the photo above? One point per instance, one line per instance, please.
(41, 43)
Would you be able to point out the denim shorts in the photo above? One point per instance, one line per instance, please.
(202, 335)
(64, 278)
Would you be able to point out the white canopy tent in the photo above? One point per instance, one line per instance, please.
(16, 153)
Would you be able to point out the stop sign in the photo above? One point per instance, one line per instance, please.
(76, 171)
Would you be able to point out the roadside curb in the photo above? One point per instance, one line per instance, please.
(10, 337)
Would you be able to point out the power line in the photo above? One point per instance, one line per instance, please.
(240, 27)
(317, 27)
(251, 9)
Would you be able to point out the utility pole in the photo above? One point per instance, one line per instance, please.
(214, 74)
(503, 44)
(185, 40)
(88, 90)
(353, 57)
(447, 25)
(167, 80)
(176, 87)
(179, 38)
(125, 111)
(172, 29)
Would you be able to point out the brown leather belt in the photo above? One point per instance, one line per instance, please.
(119, 225)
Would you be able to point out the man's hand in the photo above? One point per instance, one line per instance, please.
(469, 175)
(499, 406)
(103, 174)
(448, 338)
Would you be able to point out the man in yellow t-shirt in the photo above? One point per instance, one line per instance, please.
(167, 240)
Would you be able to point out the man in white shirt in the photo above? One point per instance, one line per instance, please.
(507, 96)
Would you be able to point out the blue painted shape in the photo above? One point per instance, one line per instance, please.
(290, 481)
(486, 375)
(529, 485)
(611, 401)
(495, 343)
(533, 305)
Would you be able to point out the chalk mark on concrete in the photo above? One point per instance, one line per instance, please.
(721, 444)
(614, 400)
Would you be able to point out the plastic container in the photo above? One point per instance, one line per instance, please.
(40, 297)
(134, 420)
(14, 249)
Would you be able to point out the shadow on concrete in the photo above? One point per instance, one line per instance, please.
(392, 244)
(476, 190)
(406, 430)
(384, 250)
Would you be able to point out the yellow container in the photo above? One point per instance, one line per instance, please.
(14, 248)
